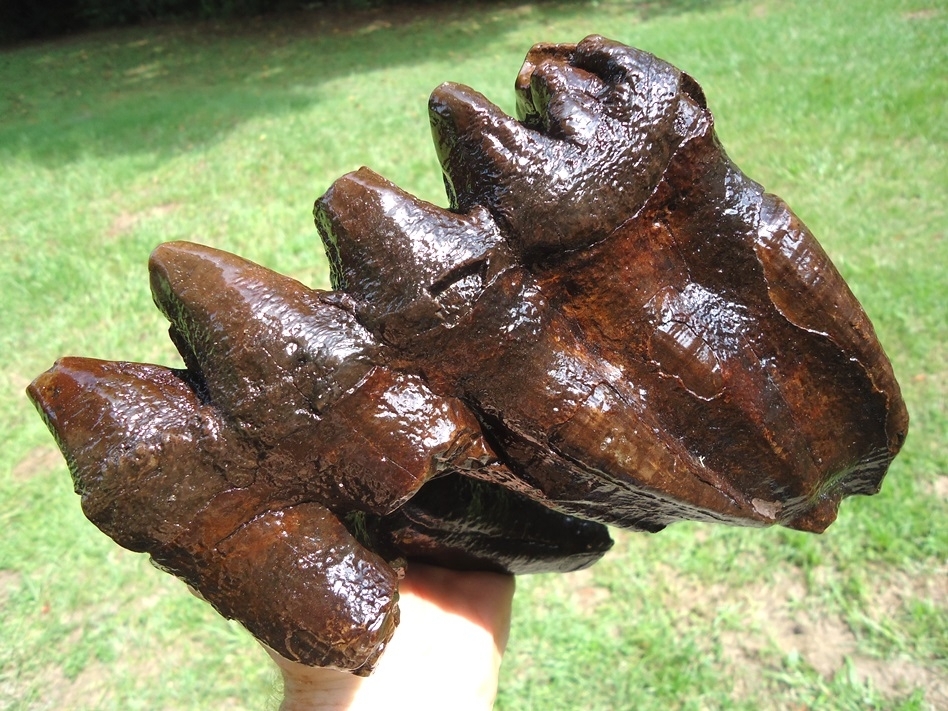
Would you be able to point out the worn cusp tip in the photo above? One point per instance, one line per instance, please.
(62, 397)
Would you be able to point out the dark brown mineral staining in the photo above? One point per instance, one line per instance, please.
(610, 325)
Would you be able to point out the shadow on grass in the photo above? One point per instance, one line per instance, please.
(168, 88)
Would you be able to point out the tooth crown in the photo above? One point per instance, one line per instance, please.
(276, 474)
(611, 324)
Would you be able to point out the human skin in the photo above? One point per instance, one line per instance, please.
(446, 652)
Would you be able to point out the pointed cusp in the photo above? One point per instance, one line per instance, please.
(146, 454)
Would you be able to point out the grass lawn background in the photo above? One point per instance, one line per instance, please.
(225, 134)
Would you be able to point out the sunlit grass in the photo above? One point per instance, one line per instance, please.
(113, 142)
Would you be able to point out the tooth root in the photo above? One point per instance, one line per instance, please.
(434, 527)
(794, 263)
(817, 518)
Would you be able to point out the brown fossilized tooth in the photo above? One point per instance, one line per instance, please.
(260, 474)
(298, 375)
(160, 471)
(716, 303)
(611, 324)
(577, 437)
(146, 454)
(583, 149)
(260, 341)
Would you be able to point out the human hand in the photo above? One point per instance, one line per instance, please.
(446, 652)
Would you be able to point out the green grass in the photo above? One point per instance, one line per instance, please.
(113, 142)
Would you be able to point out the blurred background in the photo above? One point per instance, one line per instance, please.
(123, 125)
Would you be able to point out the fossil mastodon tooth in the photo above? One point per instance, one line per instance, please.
(610, 324)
